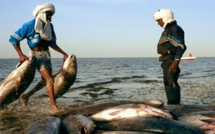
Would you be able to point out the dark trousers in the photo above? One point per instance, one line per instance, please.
(172, 87)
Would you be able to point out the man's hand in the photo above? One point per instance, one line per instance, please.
(22, 58)
(174, 66)
(65, 56)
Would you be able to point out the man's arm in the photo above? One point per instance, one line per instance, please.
(58, 49)
(18, 36)
(22, 57)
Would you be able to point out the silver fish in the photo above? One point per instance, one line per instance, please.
(17, 81)
(204, 120)
(92, 109)
(78, 124)
(149, 124)
(176, 110)
(129, 111)
(63, 79)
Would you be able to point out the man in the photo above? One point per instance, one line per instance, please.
(171, 47)
(40, 35)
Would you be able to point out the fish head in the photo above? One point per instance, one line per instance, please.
(27, 67)
(70, 65)
(30, 61)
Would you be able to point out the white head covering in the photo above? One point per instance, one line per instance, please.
(39, 13)
(166, 15)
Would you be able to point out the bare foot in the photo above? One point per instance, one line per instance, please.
(24, 98)
(54, 111)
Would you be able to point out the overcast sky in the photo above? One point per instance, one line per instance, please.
(112, 28)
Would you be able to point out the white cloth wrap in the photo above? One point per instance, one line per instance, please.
(39, 13)
(166, 15)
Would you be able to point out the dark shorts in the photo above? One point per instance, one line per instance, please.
(43, 60)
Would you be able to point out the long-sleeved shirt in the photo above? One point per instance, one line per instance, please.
(33, 38)
(171, 44)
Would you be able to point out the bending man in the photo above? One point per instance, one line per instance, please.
(40, 35)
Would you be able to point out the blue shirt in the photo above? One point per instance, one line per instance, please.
(33, 38)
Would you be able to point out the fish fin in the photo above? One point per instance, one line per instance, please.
(18, 64)
(175, 117)
(116, 112)
(6, 80)
(118, 118)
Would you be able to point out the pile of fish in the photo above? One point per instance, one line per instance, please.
(130, 117)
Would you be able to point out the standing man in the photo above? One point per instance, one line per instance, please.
(171, 47)
(40, 35)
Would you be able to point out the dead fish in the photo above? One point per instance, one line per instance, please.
(78, 124)
(149, 124)
(17, 81)
(92, 109)
(44, 125)
(204, 120)
(63, 79)
(66, 77)
(129, 111)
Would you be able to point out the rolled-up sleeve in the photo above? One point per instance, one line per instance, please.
(19, 35)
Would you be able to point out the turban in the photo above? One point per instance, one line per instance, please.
(165, 14)
(43, 8)
(40, 14)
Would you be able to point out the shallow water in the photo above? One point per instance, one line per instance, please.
(102, 79)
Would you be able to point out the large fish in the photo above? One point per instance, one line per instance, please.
(64, 78)
(92, 109)
(17, 81)
(149, 124)
(129, 111)
(204, 120)
(78, 124)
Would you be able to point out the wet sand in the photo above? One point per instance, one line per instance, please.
(14, 119)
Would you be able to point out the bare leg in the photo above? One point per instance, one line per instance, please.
(50, 88)
(26, 96)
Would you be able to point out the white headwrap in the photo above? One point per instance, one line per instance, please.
(39, 13)
(166, 15)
